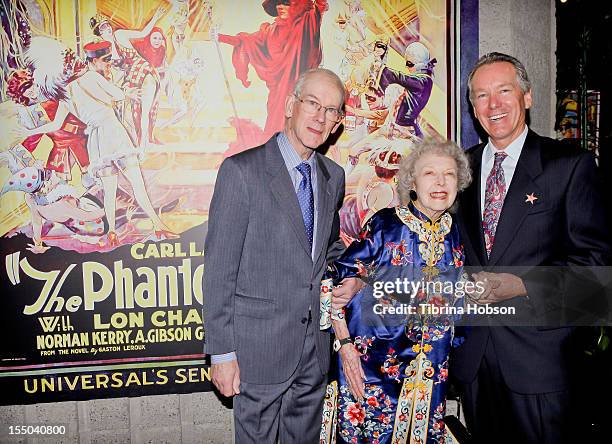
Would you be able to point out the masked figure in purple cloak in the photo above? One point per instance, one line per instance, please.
(418, 84)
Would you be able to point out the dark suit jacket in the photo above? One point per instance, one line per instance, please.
(565, 225)
(259, 276)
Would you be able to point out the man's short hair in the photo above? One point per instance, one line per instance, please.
(494, 57)
(299, 85)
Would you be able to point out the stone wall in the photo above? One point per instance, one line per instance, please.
(525, 29)
(185, 418)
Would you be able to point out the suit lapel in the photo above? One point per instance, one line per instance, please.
(515, 209)
(324, 204)
(472, 213)
(284, 193)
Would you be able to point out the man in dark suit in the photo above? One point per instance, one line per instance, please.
(534, 203)
(273, 225)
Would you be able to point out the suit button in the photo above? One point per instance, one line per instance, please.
(304, 320)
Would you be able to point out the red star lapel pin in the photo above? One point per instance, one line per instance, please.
(531, 198)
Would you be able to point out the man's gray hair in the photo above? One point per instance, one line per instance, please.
(441, 147)
(494, 57)
(299, 85)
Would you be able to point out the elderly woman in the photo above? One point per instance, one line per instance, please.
(394, 340)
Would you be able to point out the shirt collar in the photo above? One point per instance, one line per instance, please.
(290, 155)
(513, 150)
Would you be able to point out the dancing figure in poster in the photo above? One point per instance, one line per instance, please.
(137, 72)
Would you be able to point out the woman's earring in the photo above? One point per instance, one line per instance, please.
(413, 195)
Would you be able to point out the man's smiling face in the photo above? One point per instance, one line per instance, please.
(499, 102)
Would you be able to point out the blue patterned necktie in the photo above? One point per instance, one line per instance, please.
(306, 199)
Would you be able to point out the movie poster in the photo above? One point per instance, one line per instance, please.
(115, 117)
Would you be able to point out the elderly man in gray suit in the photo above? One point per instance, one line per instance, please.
(273, 226)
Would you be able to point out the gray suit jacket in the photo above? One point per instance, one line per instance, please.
(259, 276)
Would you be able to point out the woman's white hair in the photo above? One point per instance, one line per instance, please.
(442, 147)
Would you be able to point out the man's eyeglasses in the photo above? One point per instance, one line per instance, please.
(381, 46)
(313, 107)
(409, 64)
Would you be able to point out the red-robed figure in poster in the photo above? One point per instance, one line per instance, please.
(279, 51)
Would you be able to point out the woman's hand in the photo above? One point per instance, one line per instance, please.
(343, 293)
(351, 364)
(133, 93)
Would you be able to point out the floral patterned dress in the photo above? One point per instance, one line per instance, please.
(404, 351)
